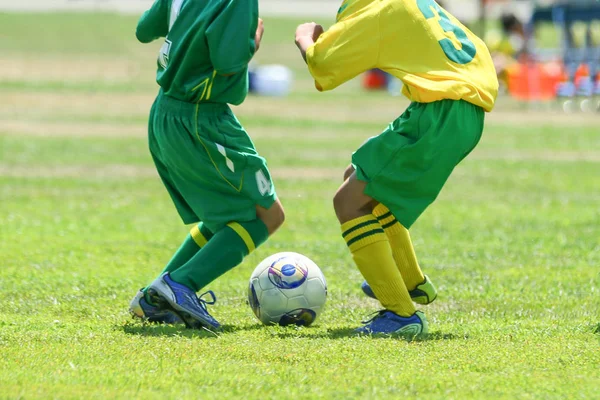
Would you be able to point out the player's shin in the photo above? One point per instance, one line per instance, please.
(197, 238)
(372, 254)
(225, 250)
(402, 248)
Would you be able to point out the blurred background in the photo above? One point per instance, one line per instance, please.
(547, 52)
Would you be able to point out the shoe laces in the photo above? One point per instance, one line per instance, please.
(203, 302)
(374, 316)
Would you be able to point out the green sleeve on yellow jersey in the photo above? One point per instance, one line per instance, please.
(347, 49)
(154, 23)
(231, 35)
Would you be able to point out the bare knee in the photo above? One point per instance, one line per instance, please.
(272, 217)
(345, 208)
(339, 205)
(350, 201)
(348, 171)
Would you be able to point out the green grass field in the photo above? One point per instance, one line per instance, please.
(513, 241)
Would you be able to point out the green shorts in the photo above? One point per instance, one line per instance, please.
(406, 166)
(207, 162)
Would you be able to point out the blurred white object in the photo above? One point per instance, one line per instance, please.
(394, 86)
(272, 80)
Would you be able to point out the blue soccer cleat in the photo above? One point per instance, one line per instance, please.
(424, 294)
(391, 324)
(183, 301)
(140, 308)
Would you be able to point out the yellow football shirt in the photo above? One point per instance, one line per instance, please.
(417, 41)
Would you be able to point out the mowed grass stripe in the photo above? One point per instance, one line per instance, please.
(122, 171)
(116, 130)
(100, 145)
(313, 111)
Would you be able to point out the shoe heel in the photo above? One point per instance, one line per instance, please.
(157, 299)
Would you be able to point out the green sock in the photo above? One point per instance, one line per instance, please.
(197, 238)
(225, 250)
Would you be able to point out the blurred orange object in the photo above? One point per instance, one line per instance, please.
(374, 79)
(582, 72)
(535, 81)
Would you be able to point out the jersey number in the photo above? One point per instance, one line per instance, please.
(163, 55)
(264, 186)
(459, 56)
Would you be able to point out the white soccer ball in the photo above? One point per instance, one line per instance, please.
(287, 289)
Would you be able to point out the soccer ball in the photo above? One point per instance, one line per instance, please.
(287, 289)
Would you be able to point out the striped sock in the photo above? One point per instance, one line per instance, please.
(372, 254)
(225, 250)
(402, 247)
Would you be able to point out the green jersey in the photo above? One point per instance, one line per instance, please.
(208, 44)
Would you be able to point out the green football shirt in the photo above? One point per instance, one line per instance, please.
(207, 47)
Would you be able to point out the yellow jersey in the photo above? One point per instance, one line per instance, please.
(417, 41)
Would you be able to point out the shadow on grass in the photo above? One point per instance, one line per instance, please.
(442, 336)
(291, 332)
(342, 333)
(150, 329)
(241, 328)
(596, 329)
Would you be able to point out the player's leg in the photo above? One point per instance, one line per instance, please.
(370, 246)
(223, 252)
(197, 238)
(419, 286)
(427, 142)
(372, 254)
(229, 246)
(228, 186)
(163, 133)
(141, 305)
(239, 203)
(199, 235)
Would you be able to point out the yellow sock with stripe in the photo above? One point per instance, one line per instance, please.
(402, 247)
(372, 254)
(197, 238)
(225, 250)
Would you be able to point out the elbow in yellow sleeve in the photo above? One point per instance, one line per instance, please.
(315, 68)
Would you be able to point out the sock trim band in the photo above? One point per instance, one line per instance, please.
(358, 226)
(198, 237)
(384, 216)
(380, 210)
(365, 235)
(243, 234)
(390, 224)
